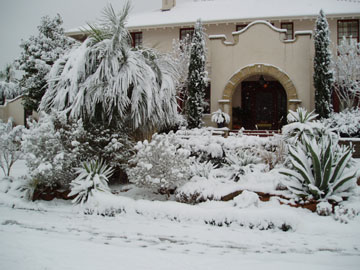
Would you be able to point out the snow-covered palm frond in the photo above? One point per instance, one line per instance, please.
(108, 79)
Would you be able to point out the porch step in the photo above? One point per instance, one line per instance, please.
(258, 132)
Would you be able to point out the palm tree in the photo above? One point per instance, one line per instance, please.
(105, 79)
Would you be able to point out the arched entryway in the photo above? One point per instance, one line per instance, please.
(258, 97)
(259, 102)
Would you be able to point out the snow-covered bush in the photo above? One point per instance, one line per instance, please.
(241, 162)
(344, 213)
(324, 209)
(161, 163)
(246, 199)
(107, 81)
(219, 117)
(93, 177)
(45, 155)
(55, 146)
(347, 122)
(202, 169)
(302, 125)
(10, 145)
(89, 141)
(320, 169)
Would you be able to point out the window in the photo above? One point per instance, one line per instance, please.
(207, 99)
(136, 39)
(240, 27)
(184, 32)
(289, 27)
(348, 29)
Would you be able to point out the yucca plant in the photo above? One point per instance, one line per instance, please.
(320, 170)
(302, 126)
(92, 176)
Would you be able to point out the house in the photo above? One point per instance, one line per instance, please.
(260, 53)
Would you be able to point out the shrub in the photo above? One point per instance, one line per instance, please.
(241, 162)
(347, 122)
(202, 169)
(93, 177)
(10, 145)
(160, 164)
(45, 155)
(55, 146)
(320, 170)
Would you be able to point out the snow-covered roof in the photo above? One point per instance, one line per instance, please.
(186, 12)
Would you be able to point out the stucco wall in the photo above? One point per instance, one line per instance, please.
(262, 44)
(14, 109)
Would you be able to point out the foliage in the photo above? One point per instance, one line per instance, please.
(220, 117)
(302, 125)
(321, 169)
(9, 85)
(323, 74)
(241, 162)
(160, 164)
(93, 175)
(202, 169)
(45, 155)
(55, 146)
(181, 53)
(347, 73)
(10, 145)
(347, 122)
(38, 55)
(197, 80)
(106, 81)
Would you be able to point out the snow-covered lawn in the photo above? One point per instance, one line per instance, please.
(56, 235)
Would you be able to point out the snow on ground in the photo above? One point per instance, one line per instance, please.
(56, 235)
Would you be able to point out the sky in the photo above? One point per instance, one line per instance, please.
(19, 18)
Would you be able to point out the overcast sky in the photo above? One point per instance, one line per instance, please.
(19, 18)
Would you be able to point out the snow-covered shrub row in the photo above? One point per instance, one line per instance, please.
(347, 122)
(201, 143)
(54, 146)
(161, 164)
(257, 215)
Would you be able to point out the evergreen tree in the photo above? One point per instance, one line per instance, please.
(38, 55)
(194, 107)
(323, 74)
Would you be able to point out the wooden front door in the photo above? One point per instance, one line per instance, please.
(263, 106)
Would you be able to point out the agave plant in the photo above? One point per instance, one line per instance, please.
(320, 169)
(92, 176)
(302, 126)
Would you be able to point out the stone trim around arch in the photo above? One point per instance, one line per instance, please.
(259, 69)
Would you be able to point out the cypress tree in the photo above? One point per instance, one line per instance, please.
(323, 74)
(197, 79)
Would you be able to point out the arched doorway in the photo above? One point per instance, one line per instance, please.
(259, 102)
(269, 92)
